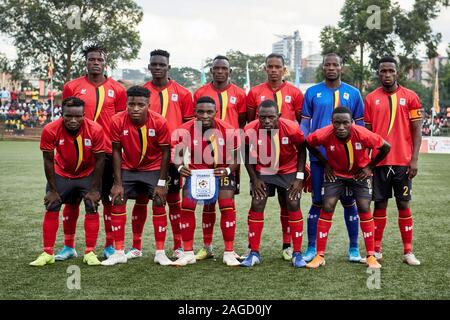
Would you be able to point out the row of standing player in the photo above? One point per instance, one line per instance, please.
(104, 97)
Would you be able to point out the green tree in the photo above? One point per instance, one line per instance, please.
(187, 77)
(374, 28)
(238, 63)
(44, 28)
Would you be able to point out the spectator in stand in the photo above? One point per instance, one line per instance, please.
(26, 119)
(34, 97)
(42, 119)
(14, 95)
(5, 96)
(3, 113)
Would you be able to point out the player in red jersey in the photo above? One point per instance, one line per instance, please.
(275, 160)
(289, 100)
(72, 174)
(212, 144)
(103, 98)
(141, 154)
(174, 103)
(231, 108)
(393, 112)
(348, 167)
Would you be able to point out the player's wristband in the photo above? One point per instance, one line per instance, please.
(161, 183)
(228, 171)
(300, 175)
(179, 168)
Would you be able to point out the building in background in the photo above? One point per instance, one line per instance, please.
(290, 46)
(309, 67)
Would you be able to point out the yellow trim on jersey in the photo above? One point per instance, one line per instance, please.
(100, 100)
(143, 136)
(336, 99)
(351, 155)
(223, 111)
(393, 111)
(415, 114)
(215, 149)
(276, 141)
(279, 100)
(79, 146)
(165, 102)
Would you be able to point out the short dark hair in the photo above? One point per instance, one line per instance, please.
(268, 104)
(93, 48)
(160, 52)
(72, 102)
(220, 57)
(275, 55)
(386, 59)
(205, 99)
(332, 54)
(340, 110)
(138, 91)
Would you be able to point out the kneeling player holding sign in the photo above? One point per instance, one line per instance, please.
(140, 170)
(348, 167)
(213, 144)
(73, 173)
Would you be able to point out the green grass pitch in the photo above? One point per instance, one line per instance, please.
(21, 211)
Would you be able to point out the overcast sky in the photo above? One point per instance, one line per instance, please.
(192, 30)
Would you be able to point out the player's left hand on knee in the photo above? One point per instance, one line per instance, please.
(295, 189)
(161, 193)
(94, 197)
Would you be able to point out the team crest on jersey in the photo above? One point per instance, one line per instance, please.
(263, 98)
(125, 132)
(233, 100)
(174, 97)
(111, 93)
(358, 146)
(319, 95)
(221, 142)
(285, 140)
(61, 142)
(403, 102)
(87, 142)
(287, 99)
(83, 91)
(151, 132)
(346, 96)
(377, 102)
(332, 148)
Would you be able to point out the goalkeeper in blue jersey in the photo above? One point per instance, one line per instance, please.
(318, 105)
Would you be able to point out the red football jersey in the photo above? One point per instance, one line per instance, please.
(141, 146)
(74, 154)
(101, 101)
(230, 101)
(208, 150)
(288, 97)
(346, 158)
(390, 115)
(276, 151)
(173, 102)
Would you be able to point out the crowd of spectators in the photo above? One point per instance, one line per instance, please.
(438, 126)
(18, 112)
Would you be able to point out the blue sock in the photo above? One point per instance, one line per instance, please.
(351, 221)
(313, 219)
